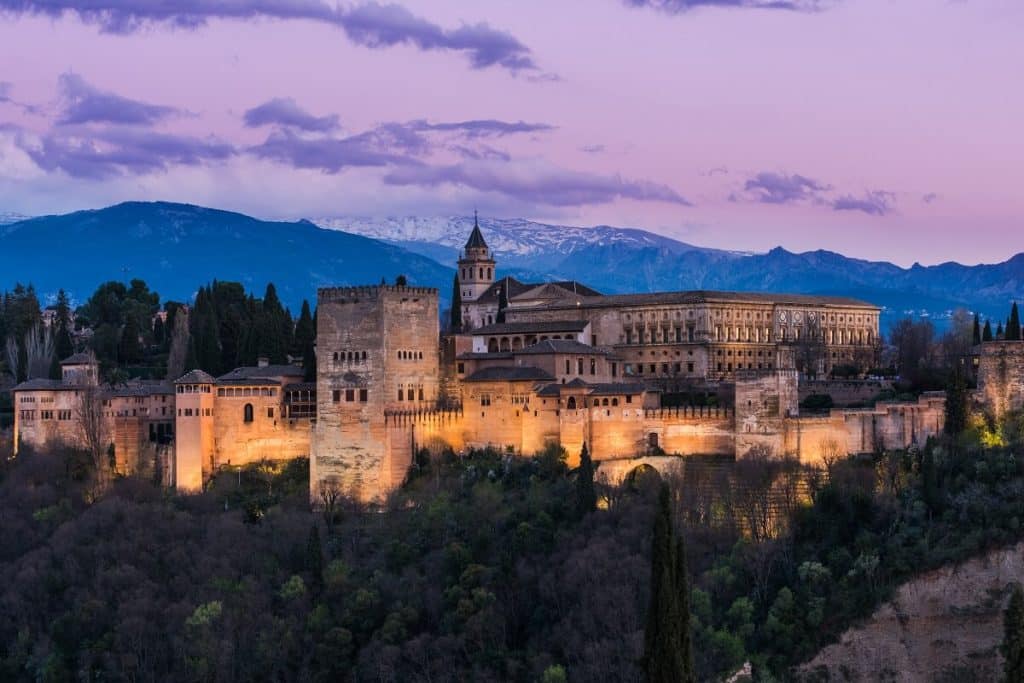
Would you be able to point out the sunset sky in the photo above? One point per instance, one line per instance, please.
(883, 129)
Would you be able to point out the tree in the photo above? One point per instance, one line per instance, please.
(63, 345)
(95, 433)
(456, 313)
(1012, 648)
(586, 495)
(1013, 324)
(401, 281)
(315, 559)
(129, 350)
(976, 335)
(999, 331)
(668, 652)
(956, 401)
(986, 334)
(181, 340)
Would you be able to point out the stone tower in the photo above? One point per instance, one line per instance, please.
(377, 354)
(476, 273)
(193, 430)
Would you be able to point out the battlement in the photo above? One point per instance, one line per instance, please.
(690, 413)
(406, 417)
(344, 294)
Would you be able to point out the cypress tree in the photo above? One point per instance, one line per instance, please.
(63, 346)
(999, 331)
(929, 481)
(315, 559)
(668, 655)
(305, 330)
(1013, 324)
(976, 338)
(129, 350)
(956, 402)
(1012, 648)
(456, 312)
(586, 496)
(986, 334)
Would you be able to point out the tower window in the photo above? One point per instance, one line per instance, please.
(247, 412)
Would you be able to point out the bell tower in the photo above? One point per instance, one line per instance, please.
(476, 270)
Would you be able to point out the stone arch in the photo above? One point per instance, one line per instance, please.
(247, 413)
(492, 345)
(571, 403)
(504, 346)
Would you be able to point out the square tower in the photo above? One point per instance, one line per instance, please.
(377, 353)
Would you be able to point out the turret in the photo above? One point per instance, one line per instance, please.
(476, 266)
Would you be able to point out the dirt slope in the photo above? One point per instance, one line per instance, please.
(942, 626)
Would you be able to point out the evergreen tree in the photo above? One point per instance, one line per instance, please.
(456, 313)
(62, 343)
(999, 331)
(274, 328)
(986, 334)
(956, 401)
(1012, 648)
(305, 329)
(1013, 324)
(929, 481)
(976, 338)
(586, 496)
(55, 370)
(129, 350)
(159, 332)
(401, 281)
(668, 652)
(315, 559)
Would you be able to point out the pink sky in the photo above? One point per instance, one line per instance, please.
(734, 127)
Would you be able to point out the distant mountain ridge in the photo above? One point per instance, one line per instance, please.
(620, 260)
(177, 247)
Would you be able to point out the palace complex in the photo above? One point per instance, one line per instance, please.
(524, 365)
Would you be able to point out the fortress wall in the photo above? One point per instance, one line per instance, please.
(267, 437)
(1001, 377)
(844, 392)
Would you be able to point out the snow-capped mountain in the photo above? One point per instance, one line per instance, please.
(8, 217)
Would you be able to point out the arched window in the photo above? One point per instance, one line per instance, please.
(335, 356)
(247, 412)
(615, 402)
(652, 440)
(492, 345)
(604, 401)
(571, 404)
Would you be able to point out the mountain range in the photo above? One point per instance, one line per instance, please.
(177, 247)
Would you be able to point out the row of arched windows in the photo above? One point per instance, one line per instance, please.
(410, 355)
(349, 356)
(468, 273)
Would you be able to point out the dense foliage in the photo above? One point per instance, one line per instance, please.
(483, 567)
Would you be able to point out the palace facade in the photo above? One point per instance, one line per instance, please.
(529, 365)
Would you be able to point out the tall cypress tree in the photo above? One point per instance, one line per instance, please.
(1013, 324)
(63, 346)
(999, 331)
(976, 338)
(986, 334)
(668, 651)
(586, 496)
(1013, 637)
(956, 402)
(456, 313)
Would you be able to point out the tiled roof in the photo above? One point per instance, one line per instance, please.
(263, 372)
(248, 382)
(476, 238)
(195, 377)
(40, 384)
(509, 373)
(709, 296)
(79, 359)
(540, 326)
(142, 387)
(599, 389)
(560, 346)
(516, 288)
(481, 355)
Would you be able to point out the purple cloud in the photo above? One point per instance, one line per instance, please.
(551, 186)
(680, 6)
(778, 188)
(930, 197)
(482, 128)
(97, 154)
(592, 149)
(874, 203)
(82, 103)
(283, 111)
(326, 154)
(371, 24)
(5, 89)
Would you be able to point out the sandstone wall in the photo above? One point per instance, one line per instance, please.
(1001, 377)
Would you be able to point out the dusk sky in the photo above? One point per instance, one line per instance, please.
(883, 129)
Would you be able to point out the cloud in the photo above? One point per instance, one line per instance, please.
(283, 111)
(325, 154)
(930, 197)
(82, 103)
(778, 188)
(5, 89)
(680, 6)
(113, 151)
(874, 203)
(370, 24)
(482, 128)
(535, 183)
(592, 149)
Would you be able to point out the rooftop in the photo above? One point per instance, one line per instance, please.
(708, 296)
(510, 374)
(560, 346)
(267, 371)
(195, 377)
(40, 384)
(79, 359)
(539, 326)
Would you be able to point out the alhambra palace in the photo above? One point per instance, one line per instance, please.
(525, 365)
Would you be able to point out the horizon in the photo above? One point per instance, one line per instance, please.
(424, 108)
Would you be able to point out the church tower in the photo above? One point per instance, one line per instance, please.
(476, 272)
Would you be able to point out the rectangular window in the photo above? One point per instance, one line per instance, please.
(593, 366)
(363, 396)
(462, 368)
(336, 396)
(270, 413)
(568, 368)
(485, 399)
(401, 394)
(629, 399)
(615, 369)
(410, 395)
(421, 393)
(350, 395)
(689, 367)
